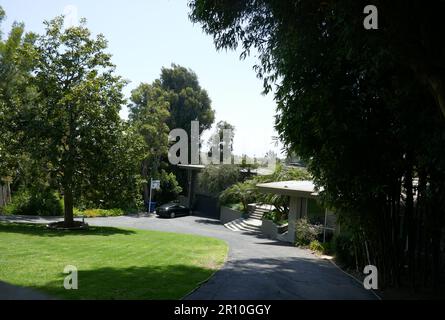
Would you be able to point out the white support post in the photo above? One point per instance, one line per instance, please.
(294, 211)
(325, 222)
(304, 207)
(149, 201)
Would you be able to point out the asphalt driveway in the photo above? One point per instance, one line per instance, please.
(256, 268)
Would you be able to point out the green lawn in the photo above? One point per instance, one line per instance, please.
(112, 263)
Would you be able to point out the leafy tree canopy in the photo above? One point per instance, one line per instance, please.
(361, 107)
(149, 113)
(188, 101)
(13, 74)
(72, 122)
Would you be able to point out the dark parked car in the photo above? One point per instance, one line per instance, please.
(172, 210)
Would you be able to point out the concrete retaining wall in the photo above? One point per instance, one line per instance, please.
(272, 230)
(269, 229)
(228, 215)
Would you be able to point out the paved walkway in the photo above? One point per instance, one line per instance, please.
(256, 268)
(10, 292)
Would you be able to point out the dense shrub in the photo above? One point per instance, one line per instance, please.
(344, 249)
(315, 245)
(276, 216)
(36, 203)
(328, 247)
(246, 192)
(92, 213)
(235, 206)
(306, 232)
(243, 193)
(170, 188)
(117, 182)
(216, 178)
(283, 173)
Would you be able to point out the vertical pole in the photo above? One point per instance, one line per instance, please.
(294, 212)
(189, 181)
(304, 207)
(325, 221)
(149, 201)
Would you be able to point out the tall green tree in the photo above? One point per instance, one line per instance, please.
(216, 178)
(14, 73)
(149, 113)
(361, 108)
(417, 41)
(119, 184)
(172, 101)
(411, 31)
(188, 100)
(73, 120)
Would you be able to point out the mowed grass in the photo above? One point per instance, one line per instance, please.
(112, 263)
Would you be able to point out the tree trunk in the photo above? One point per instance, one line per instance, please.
(435, 274)
(438, 91)
(8, 192)
(411, 227)
(436, 232)
(434, 81)
(68, 172)
(68, 198)
(69, 204)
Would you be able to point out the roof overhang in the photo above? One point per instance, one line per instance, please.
(191, 166)
(293, 188)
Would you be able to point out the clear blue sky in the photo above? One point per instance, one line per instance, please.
(145, 35)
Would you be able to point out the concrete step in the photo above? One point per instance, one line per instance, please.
(266, 207)
(242, 228)
(241, 225)
(259, 212)
(246, 225)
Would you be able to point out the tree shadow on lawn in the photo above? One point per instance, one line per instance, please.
(255, 278)
(42, 231)
(147, 283)
(29, 218)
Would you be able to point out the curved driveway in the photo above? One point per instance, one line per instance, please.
(257, 267)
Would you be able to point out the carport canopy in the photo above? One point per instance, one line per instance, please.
(292, 188)
(299, 192)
